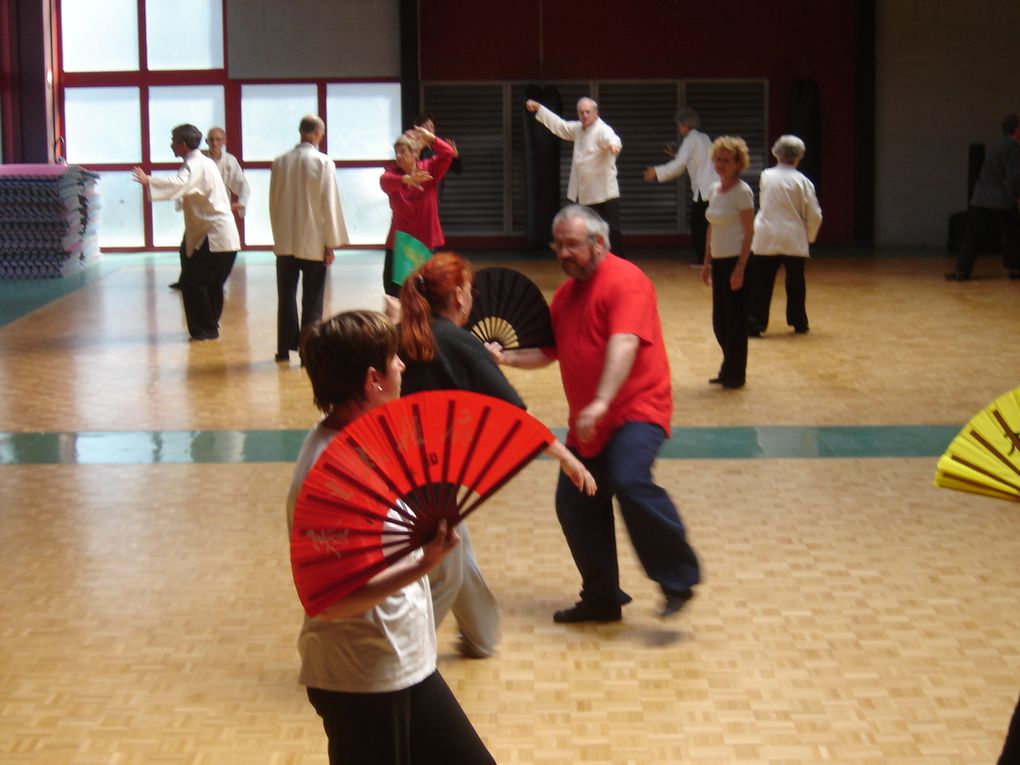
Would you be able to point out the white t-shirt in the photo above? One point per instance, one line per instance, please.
(723, 214)
(390, 647)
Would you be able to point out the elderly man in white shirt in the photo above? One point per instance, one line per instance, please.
(787, 223)
(692, 156)
(229, 167)
(593, 169)
(308, 224)
(210, 241)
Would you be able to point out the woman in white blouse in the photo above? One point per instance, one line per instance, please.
(730, 217)
(787, 222)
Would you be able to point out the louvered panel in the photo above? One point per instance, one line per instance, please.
(472, 115)
(733, 108)
(642, 115)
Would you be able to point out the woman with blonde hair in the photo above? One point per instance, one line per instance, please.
(440, 354)
(412, 183)
(730, 216)
(786, 224)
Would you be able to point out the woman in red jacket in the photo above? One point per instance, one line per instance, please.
(411, 185)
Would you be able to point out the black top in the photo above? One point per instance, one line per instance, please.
(462, 363)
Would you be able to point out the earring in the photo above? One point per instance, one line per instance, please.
(378, 387)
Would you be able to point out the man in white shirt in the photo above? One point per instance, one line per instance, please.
(308, 224)
(210, 241)
(593, 169)
(231, 172)
(692, 156)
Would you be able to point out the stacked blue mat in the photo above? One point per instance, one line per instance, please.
(49, 219)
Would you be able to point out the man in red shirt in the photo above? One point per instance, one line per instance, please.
(616, 378)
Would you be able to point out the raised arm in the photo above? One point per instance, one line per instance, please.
(557, 125)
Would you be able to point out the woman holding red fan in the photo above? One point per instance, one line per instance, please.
(369, 660)
(436, 301)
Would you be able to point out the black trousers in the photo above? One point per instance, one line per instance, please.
(610, 213)
(699, 230)
(761, 275)
(288, 271)
(420, 725)
(1011, 747)
(978, 221)
(729, 321)
(202, 278)
(390, 287)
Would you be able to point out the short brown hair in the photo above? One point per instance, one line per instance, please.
(338, 352)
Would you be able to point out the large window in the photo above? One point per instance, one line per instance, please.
(130, 73)
(486, 121)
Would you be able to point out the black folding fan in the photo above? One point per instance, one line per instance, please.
(509, 309)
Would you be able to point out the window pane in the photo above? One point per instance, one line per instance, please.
(363, 120)
(256, 216)
(167, 221)
(99, 37)
(270, 115)
(103, 125)
(366, 208)
(120, 220)
(184, 34)
(199, 105)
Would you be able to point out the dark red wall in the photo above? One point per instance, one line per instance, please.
(468, 40)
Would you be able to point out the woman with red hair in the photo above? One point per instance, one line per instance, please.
(440, 354)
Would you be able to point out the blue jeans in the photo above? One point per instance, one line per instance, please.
(624, 470)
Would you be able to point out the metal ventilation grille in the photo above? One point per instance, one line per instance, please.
(485, 121)
(472, 115)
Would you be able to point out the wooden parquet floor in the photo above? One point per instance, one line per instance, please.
(851, 613)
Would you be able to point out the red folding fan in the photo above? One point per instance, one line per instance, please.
(380, 488)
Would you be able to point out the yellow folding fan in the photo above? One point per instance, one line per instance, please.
(985, 457)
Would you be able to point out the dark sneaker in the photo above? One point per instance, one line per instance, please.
(584, 612)
(956, 276)
(674, 604)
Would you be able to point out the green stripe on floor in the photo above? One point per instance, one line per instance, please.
(172, 447)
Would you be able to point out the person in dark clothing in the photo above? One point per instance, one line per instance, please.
(994, 202)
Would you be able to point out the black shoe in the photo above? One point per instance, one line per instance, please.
(674, 604)
(801, 330)
(584, 612)
(200, 338)
(956, 276)
(732, 385)
(1014, 273)
(715, 381)
(754, 333)
(283, 358)
(175, 286)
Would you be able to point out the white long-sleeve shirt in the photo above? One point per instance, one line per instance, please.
(593, 169)
(789, 216)
(694, 156)
(304, 204)
(199, 191)
(233, 178)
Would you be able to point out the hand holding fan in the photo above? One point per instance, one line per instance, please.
(509, 309)
(379, 489)
(985, 457)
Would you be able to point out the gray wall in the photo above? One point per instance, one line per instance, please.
(282, 39)
(946, 73)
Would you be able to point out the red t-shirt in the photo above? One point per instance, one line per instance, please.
(617, 299)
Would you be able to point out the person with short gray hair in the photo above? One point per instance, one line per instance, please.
(692, 157)
(593, 181)
(786, 224)
(308, 224)
(615, 374)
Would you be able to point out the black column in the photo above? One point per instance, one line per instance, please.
(410, 82)
(864, 123)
